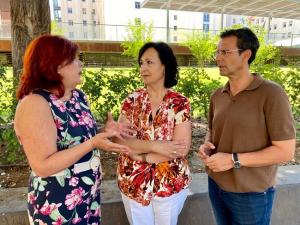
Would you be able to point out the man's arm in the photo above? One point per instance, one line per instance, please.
(278, 152)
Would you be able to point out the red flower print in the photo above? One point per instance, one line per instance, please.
(75, 198)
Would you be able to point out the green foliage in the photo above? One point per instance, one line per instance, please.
(11, 151)
(137, 35)
(7, 93)
(197, 85)
(292, 87)
(203, 46)
(106, 91)
(8, 141)
(55, 29)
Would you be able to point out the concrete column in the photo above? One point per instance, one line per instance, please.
(168, 27)
(222, 20)
(268, 29)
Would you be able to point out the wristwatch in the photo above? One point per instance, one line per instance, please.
(236, 162)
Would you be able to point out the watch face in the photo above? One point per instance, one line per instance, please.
(237, 164)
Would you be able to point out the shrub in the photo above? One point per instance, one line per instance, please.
(9, 145)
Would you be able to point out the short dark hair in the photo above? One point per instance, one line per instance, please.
(167, 58)
(246, 40)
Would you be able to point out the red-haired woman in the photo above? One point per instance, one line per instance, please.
(59, 135)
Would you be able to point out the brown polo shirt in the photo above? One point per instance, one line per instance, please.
(248, 122)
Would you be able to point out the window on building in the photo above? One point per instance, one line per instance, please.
(262, 20)
(56, 5)
(85, 35)
(284, 24)
(289, 34)
(257, 21)
(84, 22)
(83, 10)
(283, 35)
(275, 26)
(234, 21)
(205, 27)
(291, 23)
(205, 17)
(70, 22)
(175, 38)
(57, 14)
(175, 17)
(58, 19)
(70, 10)
(71, 34)
(137, 5)
(93, 11)
(175, 28)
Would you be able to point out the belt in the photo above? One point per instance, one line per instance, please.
(92, 164)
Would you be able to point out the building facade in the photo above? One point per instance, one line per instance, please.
(79, 19)
(5, 21)
(168, 25)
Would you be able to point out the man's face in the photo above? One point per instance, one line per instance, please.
(229, 59)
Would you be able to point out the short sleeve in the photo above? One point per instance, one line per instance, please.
(127, 105)
(182, 110)
(210, 112)
(279, 118)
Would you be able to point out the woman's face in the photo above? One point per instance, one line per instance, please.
(71, 73)
(151, 69)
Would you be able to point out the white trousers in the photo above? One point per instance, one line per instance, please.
(160, 211)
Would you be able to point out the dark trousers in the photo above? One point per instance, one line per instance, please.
(253, 208)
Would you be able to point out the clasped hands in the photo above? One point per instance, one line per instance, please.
(217, 162)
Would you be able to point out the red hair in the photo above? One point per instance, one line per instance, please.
(41, 60)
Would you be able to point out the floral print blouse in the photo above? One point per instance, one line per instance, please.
(142, 181)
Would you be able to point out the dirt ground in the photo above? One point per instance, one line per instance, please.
(17, 175)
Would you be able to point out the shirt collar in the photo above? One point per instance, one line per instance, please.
(257, 81)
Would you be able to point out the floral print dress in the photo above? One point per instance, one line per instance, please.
(67, 197)
(142, 181)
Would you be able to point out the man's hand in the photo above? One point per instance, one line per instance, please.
(219, 162)
(207, 149)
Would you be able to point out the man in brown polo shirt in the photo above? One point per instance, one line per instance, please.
(251, 131)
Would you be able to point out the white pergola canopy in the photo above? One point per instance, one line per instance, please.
(289, 9)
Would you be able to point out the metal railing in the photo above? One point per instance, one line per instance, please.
(106, 32)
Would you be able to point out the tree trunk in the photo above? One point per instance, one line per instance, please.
(29, 19)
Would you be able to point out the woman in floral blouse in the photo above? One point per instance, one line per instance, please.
(59, 135)
(154, 182)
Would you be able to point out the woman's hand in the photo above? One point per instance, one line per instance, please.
(102, 141)
(171, 149)
(138, 157)
(123, 129)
